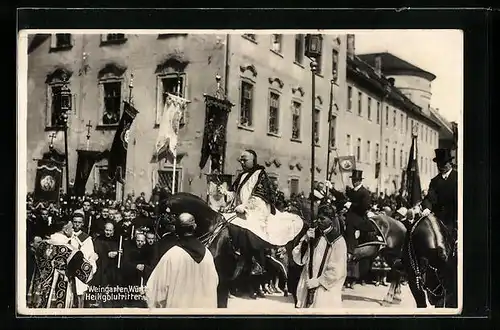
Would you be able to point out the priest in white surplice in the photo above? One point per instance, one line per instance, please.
(321, 288)
(185, 277)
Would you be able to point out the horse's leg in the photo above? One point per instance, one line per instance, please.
(418, 295)
(397, 289)
(390, 295)
(222, 294)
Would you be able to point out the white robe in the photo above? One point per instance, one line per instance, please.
(278, 229)
(329, 292)
(180, 282)
(87, 248)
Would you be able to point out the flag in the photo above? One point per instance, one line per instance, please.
(413, 187)
(346, 163)
(86, 161)
(168, 131)
(377, 170)
(117, 161)
(48, 181)
(214, 136)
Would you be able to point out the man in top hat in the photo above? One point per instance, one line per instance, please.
(441, 198)
(358, 206)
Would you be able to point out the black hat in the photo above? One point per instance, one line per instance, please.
(357, 175)
(443, 155)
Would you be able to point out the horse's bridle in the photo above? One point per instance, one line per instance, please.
(419, 278)
(207, 238)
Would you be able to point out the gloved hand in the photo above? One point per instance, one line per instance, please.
(426, 212)
(347, 205)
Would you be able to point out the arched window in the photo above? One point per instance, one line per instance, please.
(112, 92)
(53, 112)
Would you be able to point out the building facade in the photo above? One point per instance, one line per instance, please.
(386, 102)
(266, 76)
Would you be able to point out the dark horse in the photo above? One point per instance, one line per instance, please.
(431, 263)
(394, 233)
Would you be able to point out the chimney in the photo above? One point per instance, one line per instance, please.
(351, 49)
(378, 65)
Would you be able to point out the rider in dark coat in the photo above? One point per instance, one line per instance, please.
(358, 205)
(442, 195)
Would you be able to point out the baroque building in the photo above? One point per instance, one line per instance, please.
(265, 76)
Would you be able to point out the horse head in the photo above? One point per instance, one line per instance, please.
(431, 238)
(206, 218)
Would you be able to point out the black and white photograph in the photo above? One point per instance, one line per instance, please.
(239, 172)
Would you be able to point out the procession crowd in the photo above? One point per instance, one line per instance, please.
(124, 236)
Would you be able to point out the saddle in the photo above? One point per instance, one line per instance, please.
(372, 237)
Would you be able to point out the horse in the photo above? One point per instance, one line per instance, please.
(393, 233)
(431, 263)
(220, 236)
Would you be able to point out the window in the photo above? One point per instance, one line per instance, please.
(387, 116)
(112, 102)
(378, 112)
(274, 108)
(368, 152)
(317, 119)
(296, 116)
(335, 64)
(165, 179)
(358, 150)
(113, 38)
(402, 124)
(61, 40)
(369, 113)
(421, 132)
(348, 144)
(360, 103)
(377, 152)
(103, 183)
(332, 131)
(56, 117)
(406, 129)
(299, 48)
(406, 156)
(401, 158)
(394, 157)
(246, 103)
(386, 156)
(426, 132)
(425, 165)
(294, 186)
(54, 107)
(412, 126)
(250, 36)
(421, 161)
(394, 118)
(170, 83)
(276, 43)
(349, 98)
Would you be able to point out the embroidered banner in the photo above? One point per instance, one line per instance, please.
(346, 163)
(48, 181)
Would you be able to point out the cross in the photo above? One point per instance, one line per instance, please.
(89, 126)
(52, 137)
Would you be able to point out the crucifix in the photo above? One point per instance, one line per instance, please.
(52, 137)
(89, 126)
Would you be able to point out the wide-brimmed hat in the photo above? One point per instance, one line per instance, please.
(357, 175)
(443, 155)
(402, 211)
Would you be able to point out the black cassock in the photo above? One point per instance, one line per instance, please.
(131, 276)
(107, 273)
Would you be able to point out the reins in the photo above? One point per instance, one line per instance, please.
(207, 238)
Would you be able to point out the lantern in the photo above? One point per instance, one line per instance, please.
(313, 45)
(65, 98)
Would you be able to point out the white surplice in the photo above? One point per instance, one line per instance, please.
(87, 248)
(180, 282)
(329, 292)
(277, 229)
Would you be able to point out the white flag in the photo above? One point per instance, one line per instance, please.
(169, 124)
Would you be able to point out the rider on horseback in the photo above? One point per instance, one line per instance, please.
(358, 211)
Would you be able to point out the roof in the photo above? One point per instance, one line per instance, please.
(393, 65)
(365, 74)
(444, 123)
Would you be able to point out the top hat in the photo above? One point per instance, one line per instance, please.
(443, 155)
(357, 175)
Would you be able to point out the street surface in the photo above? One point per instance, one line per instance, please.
(362, 297)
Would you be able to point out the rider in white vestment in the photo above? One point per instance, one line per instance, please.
(253, 201)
